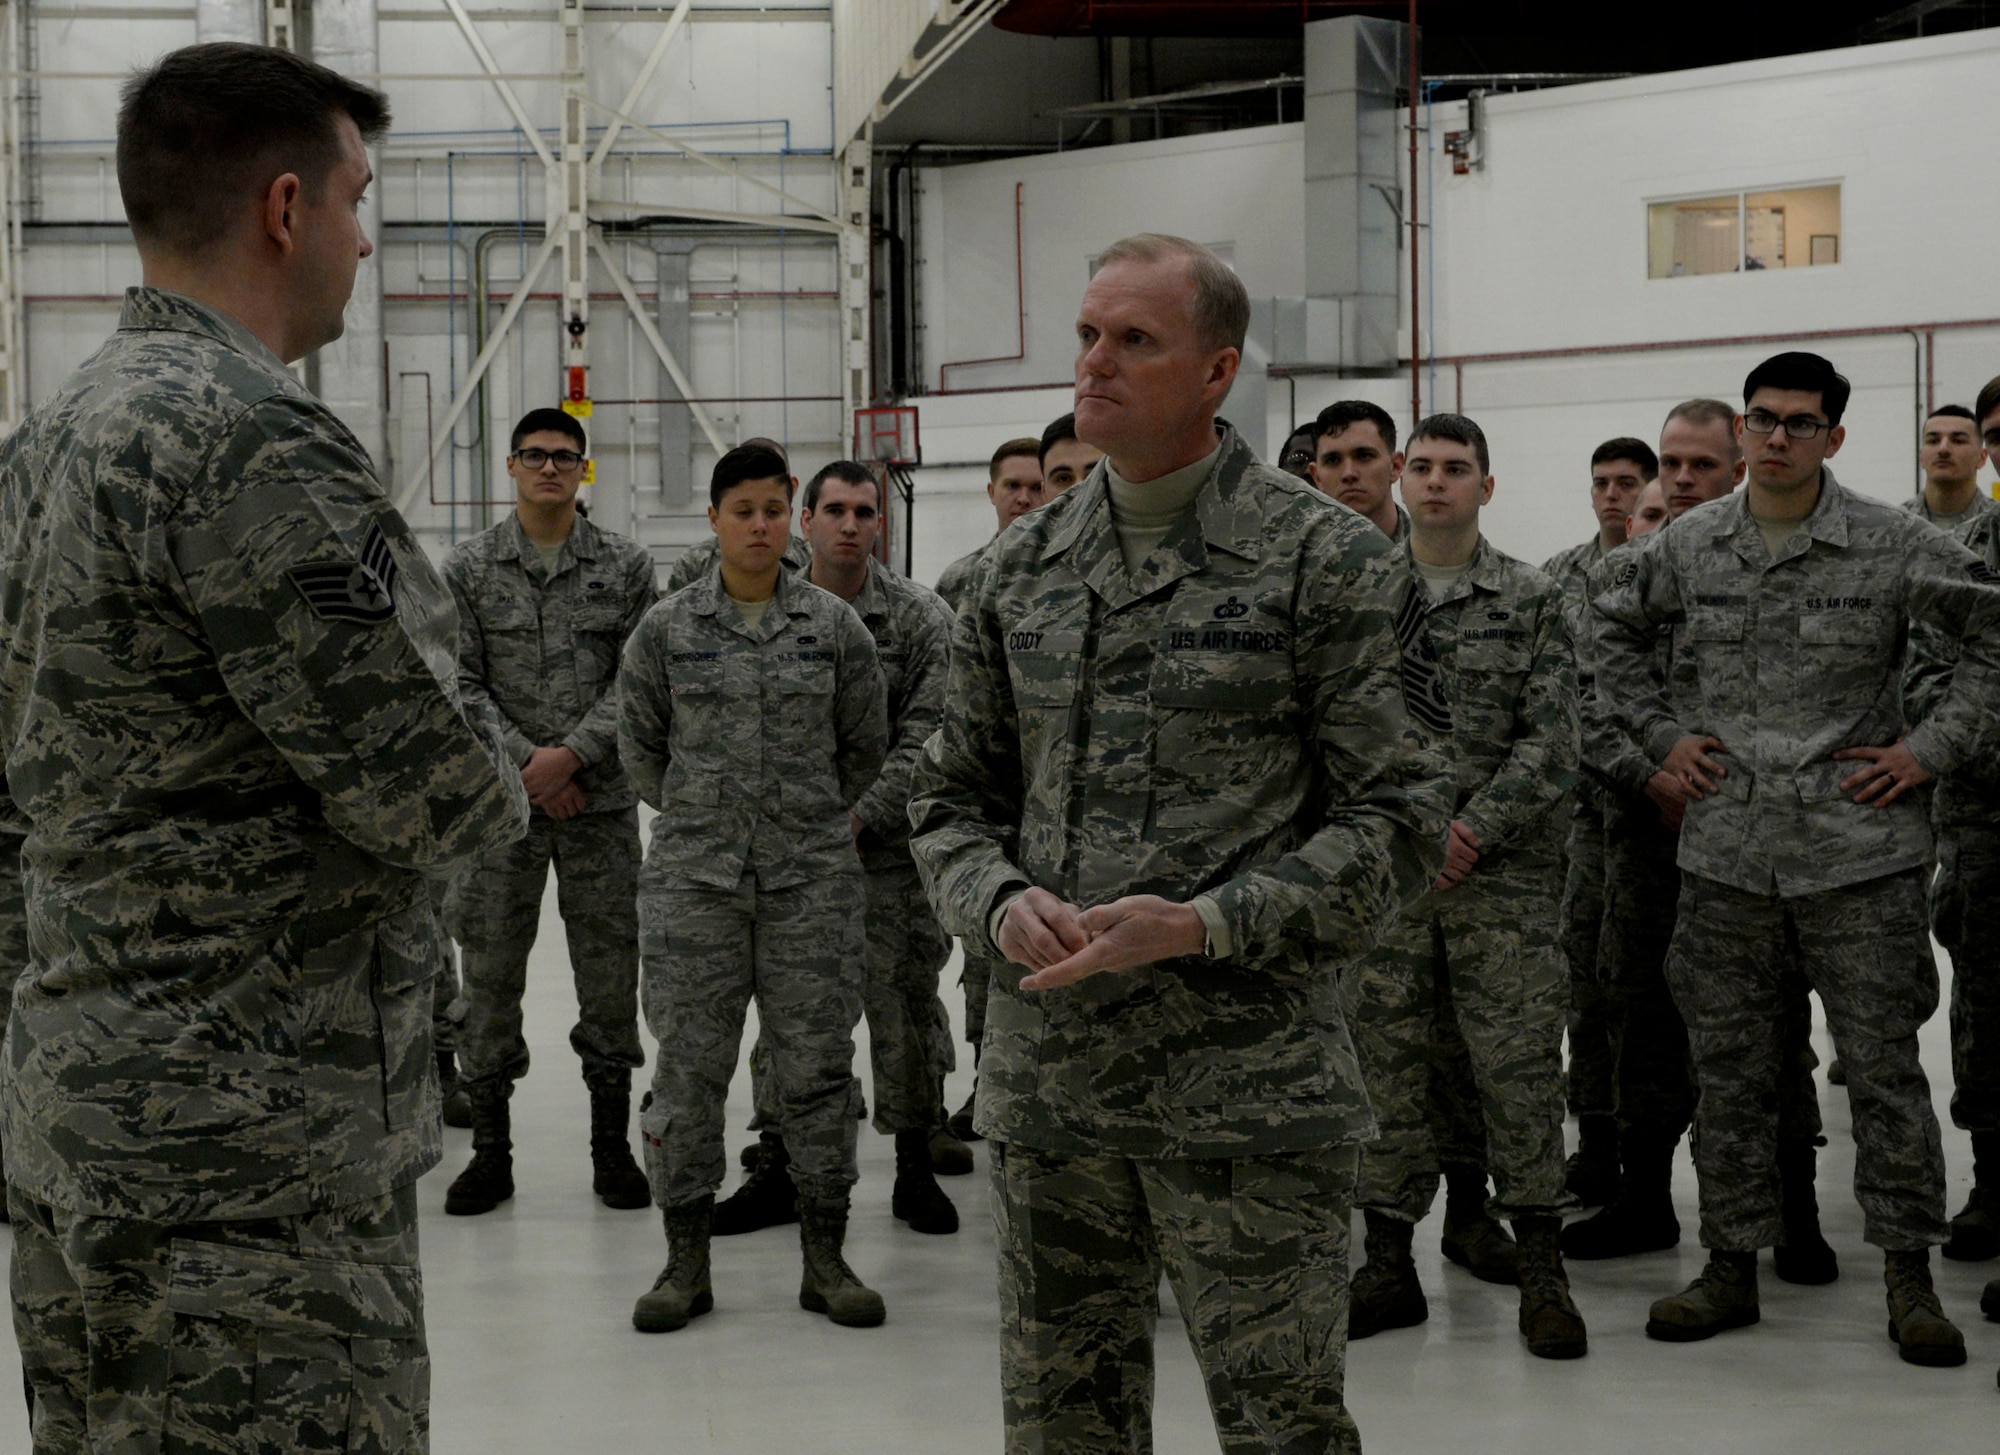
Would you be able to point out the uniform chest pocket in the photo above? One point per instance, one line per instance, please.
(509, 616)
(1043, 666)
(1711, 624)
(804, 679)
(600, 616)
(1223, 682)
(698, 679)
(1482, 653)
(1845, 629)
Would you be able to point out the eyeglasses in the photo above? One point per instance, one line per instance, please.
(1799, 426)
(561, 459)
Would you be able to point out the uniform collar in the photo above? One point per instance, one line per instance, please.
(1222, 518)
(157, 310)
(1482, 573)
(873, 601)
(787, 601)
(1826, 524)
(581, 544)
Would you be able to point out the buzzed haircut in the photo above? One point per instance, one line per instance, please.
(1708, 411)
(535, 421)
(1221, 302)
(1459, 430)
(1952, 411)
(1344, 414)
(1807, 374)
(1988, 400)
(1023, 448)
(846, 471)
(209, 127)
(1062, 427)
(1625, 447)
(747, 462)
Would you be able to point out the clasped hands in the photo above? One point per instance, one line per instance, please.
(1886, 775)
(549, 775)
(1063, 944)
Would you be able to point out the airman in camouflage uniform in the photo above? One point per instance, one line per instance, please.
(1966, 808)
(909, 1031)
(1792, 632)
(539, 640)
(1950, 454)
(229, 711)
(751, 742)
(1480, 950)
(1205, 728)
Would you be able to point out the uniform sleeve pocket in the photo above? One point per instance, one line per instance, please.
(272, 1351)
(408, 954)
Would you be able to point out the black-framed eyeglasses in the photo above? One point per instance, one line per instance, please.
(562, 459)
(1798, 427)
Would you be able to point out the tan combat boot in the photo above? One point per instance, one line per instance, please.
(1917, 1325)
(1549, 1320)
(829, 1286)
(681, 1291)
(1723, 1296)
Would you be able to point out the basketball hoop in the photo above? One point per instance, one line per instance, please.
(888, 436)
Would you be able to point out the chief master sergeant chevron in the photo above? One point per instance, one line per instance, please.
(228, 712)
(1181, 782)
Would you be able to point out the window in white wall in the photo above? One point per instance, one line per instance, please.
(1793, 227)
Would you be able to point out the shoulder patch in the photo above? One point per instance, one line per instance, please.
(1626, 573)
(362, 592)
(1423, 680)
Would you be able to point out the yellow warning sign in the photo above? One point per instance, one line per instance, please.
(576, 408)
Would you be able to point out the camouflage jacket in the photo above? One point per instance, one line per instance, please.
(1982, 505)
(1571, 569)
(545, 653)
(228, 708)
(701, 559)
(955, 582)
(1255, 716)
(1610, 752)
(1502, 640)
(751, 744)
(1969, 796)
(912, 632)
(1789, 660)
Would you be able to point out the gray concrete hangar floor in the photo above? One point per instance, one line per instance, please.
(534, 1355)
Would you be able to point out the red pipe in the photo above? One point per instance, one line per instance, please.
(1020, 311)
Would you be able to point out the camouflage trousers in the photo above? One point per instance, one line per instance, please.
(1592, 1075)
(495, 906)
(707, 954)
(1480, 959)
(300, 1334)
(1649, 1041)
(1962, 900)
(1866, 949)
(909, 1032)
(1255, 1249)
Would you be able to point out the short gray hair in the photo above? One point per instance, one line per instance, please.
(1707, 411)
(1221, 302)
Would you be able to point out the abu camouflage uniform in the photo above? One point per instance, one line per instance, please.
(1790, 659)
(751, 743)
(543, 651)
(13, 953)
(1580, 919)
(1654, 1088)
(1243, 719)
(909, 1032)
(699, 561)
(1982, 505)
(980, 961)
(1966, 809)
(1483, 954)
(228, 712)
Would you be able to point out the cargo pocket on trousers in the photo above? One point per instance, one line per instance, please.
(274, 1354)
(1287, 1263)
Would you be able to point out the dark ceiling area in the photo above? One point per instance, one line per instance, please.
(1055, 74)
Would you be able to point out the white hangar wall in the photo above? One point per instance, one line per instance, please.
(1542, 248)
